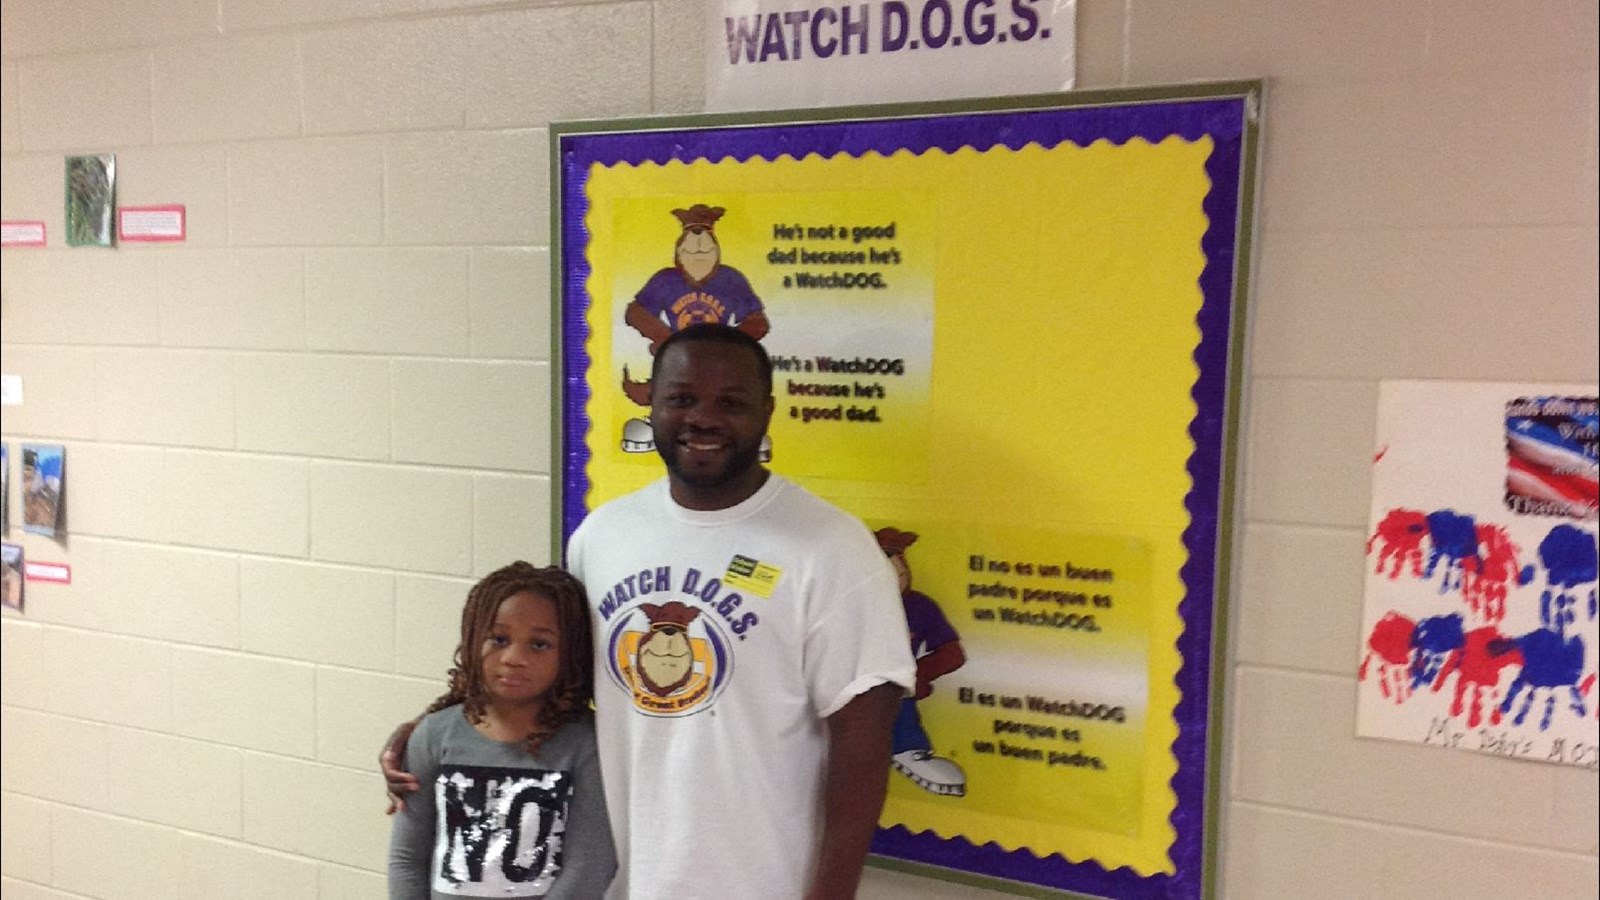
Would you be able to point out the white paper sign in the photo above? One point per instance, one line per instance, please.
(775, 54)
(21, 233)
(10, 390)
(1481, 621)
(55, 573)
(151, 223)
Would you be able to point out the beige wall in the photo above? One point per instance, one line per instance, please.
(296, 438)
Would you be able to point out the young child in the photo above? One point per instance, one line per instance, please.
(511, 803)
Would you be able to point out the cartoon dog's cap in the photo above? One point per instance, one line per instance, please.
(674, 614)
(699, 214)
(894, 541)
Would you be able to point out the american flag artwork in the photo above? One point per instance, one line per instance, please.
(1553, 456)
(1481, 627)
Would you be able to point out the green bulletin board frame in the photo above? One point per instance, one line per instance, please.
(1227, 114)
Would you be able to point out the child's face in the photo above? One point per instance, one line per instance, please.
(522, 654)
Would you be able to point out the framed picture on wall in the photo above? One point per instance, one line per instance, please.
(15, 580)
(43, 483)
(91, 195)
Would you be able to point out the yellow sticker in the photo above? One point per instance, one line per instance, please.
(756, 577)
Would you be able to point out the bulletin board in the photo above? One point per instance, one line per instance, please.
(1010, 330)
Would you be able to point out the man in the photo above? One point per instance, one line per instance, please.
(752, 653)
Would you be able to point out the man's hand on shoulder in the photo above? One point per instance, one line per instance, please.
(392, 761)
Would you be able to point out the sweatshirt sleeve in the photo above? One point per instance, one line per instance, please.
(856, 634)
(411, 840)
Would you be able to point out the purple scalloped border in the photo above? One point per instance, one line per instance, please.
(1224, 120)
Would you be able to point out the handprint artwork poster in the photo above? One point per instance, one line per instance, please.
(1481, 628)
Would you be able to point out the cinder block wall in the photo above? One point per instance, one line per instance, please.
(294, 440)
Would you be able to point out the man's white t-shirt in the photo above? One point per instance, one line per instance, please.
(723, 641)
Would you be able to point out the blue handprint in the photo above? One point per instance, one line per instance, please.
(1569, 558)
(1435, 642)
(1549, 662)
(1455, 540)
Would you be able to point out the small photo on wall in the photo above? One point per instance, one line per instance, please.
(91, 184)
(1551, 447)
(12, 554)
(43, 482)
(5, 488)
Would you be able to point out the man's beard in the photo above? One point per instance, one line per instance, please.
(742, 457)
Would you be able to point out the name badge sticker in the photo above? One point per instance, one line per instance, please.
(752, 575)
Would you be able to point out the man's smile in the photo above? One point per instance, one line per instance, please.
(704, 443)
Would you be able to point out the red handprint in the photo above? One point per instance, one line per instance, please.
(1487, 576)
(1401, 533)
(1390, 644)
(1484, 655)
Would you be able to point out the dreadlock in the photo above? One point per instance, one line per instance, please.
(569, 696)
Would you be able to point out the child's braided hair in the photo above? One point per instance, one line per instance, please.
(569, 696)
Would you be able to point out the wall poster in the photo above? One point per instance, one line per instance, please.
(43, 483)
(12, 584)
(1003, 335)
(1481, 624)
(91, 195)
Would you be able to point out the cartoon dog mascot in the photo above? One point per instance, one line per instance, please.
(697, 288)
(937, 648)
(666, 661)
